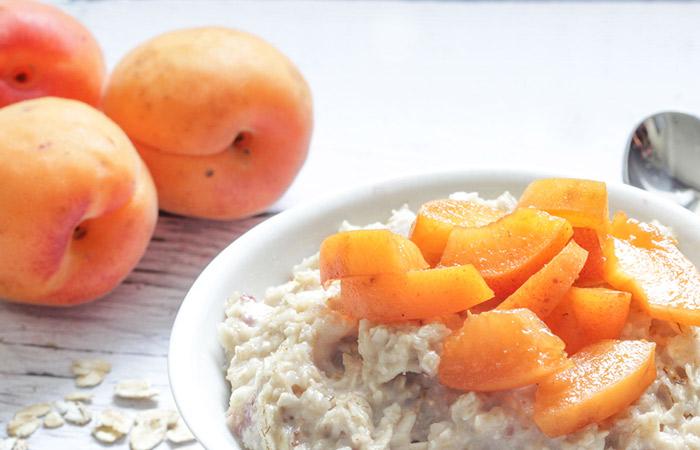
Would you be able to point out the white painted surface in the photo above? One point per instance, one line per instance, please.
(399, 87)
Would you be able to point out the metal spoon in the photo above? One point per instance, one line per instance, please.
(663, 156)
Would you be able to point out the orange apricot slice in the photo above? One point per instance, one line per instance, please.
(488, 305)
(507, 252)
(584, 203)
(603, 380)
(562, 321)
(452, 321)
(437, 218)
(648, 264)
(589, 315)
(416, 294)
(600, 312)
(543, 291)
(367, 252)
(592, 272)
(498, 350)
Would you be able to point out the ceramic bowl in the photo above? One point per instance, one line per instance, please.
(264, 256)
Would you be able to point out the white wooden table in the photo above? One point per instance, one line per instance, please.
(399, 87)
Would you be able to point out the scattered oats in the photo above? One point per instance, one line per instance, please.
(13, 444)
(111, 426)
(151, 427)
(106, 435)
(90, 379)
(53, 420)
(179, 433)
(8, 443)
(34, 411)
(79, 396)
(170, 416)
(61, 407)
(90, 372)
(85, 366)
(22, 426)
(77, 414)
(135, 389)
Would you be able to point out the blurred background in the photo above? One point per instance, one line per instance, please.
(550, 85)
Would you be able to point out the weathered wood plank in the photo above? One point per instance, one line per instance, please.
(17, 389)
(137, 316)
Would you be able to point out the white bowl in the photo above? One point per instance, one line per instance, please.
(264, 256)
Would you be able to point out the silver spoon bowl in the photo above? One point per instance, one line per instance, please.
(663, 156)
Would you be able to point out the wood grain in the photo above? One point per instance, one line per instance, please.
(130, 328)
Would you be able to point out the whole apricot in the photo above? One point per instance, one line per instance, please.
(45, 52)
(222, 119)
(77, 204)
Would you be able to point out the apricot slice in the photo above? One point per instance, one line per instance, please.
(367, 252)
(488, 305)
(498, 350)
(601, 313)
(562, 321)
(416, 294)
(589, 315)
(452, 321)
(603, 380)
(507, 252)
(648, 264)
(584, 203)
(544, 290)
(437, 218)
(592, 272)
(641, 234)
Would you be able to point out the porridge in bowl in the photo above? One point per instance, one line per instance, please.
(364, 349)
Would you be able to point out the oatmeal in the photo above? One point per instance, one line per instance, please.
(303, 376)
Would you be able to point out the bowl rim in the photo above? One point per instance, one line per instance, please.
(325, 202)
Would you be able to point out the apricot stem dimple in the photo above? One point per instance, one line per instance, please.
(242, 143)
(209, 173)
(21, 77)
(79, 233)
(241, 138)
